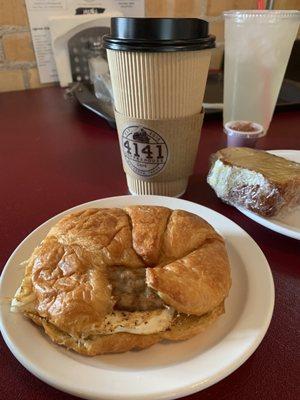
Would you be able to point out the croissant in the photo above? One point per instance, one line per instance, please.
(107, 280)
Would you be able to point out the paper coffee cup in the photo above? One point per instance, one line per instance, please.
(158, 85)
(158, 70)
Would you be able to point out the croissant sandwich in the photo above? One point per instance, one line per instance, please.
(107, 280)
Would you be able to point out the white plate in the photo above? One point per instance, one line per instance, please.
(165, 370)
(289, 224)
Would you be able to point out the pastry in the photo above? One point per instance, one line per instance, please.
(256, 180)
(108, 280)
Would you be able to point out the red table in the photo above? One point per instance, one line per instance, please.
(55, 155)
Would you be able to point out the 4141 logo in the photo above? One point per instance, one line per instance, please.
(144, 150)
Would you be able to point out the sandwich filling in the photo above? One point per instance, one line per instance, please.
(130, 291)
(137, 322)
(138, 309)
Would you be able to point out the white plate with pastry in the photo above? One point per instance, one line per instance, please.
(288, 223)
(263, 185)
(142, 283)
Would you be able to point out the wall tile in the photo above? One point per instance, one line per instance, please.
(216, 7)
(217, 28)
(33, 79)
(287, 4)
(18, 47)
(11, 80)
(13, 12)
(187, 8)
(157, 8)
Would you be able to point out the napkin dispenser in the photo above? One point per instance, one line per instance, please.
(73, 38)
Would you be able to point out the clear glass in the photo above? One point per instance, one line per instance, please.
(258, 45)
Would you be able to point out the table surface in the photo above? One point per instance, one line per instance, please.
(55, 155)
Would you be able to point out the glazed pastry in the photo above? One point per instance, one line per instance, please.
(256, 180)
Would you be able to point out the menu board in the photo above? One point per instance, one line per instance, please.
(40, 10)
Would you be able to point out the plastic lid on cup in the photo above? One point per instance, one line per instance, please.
(243, 133)
(158, 34)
